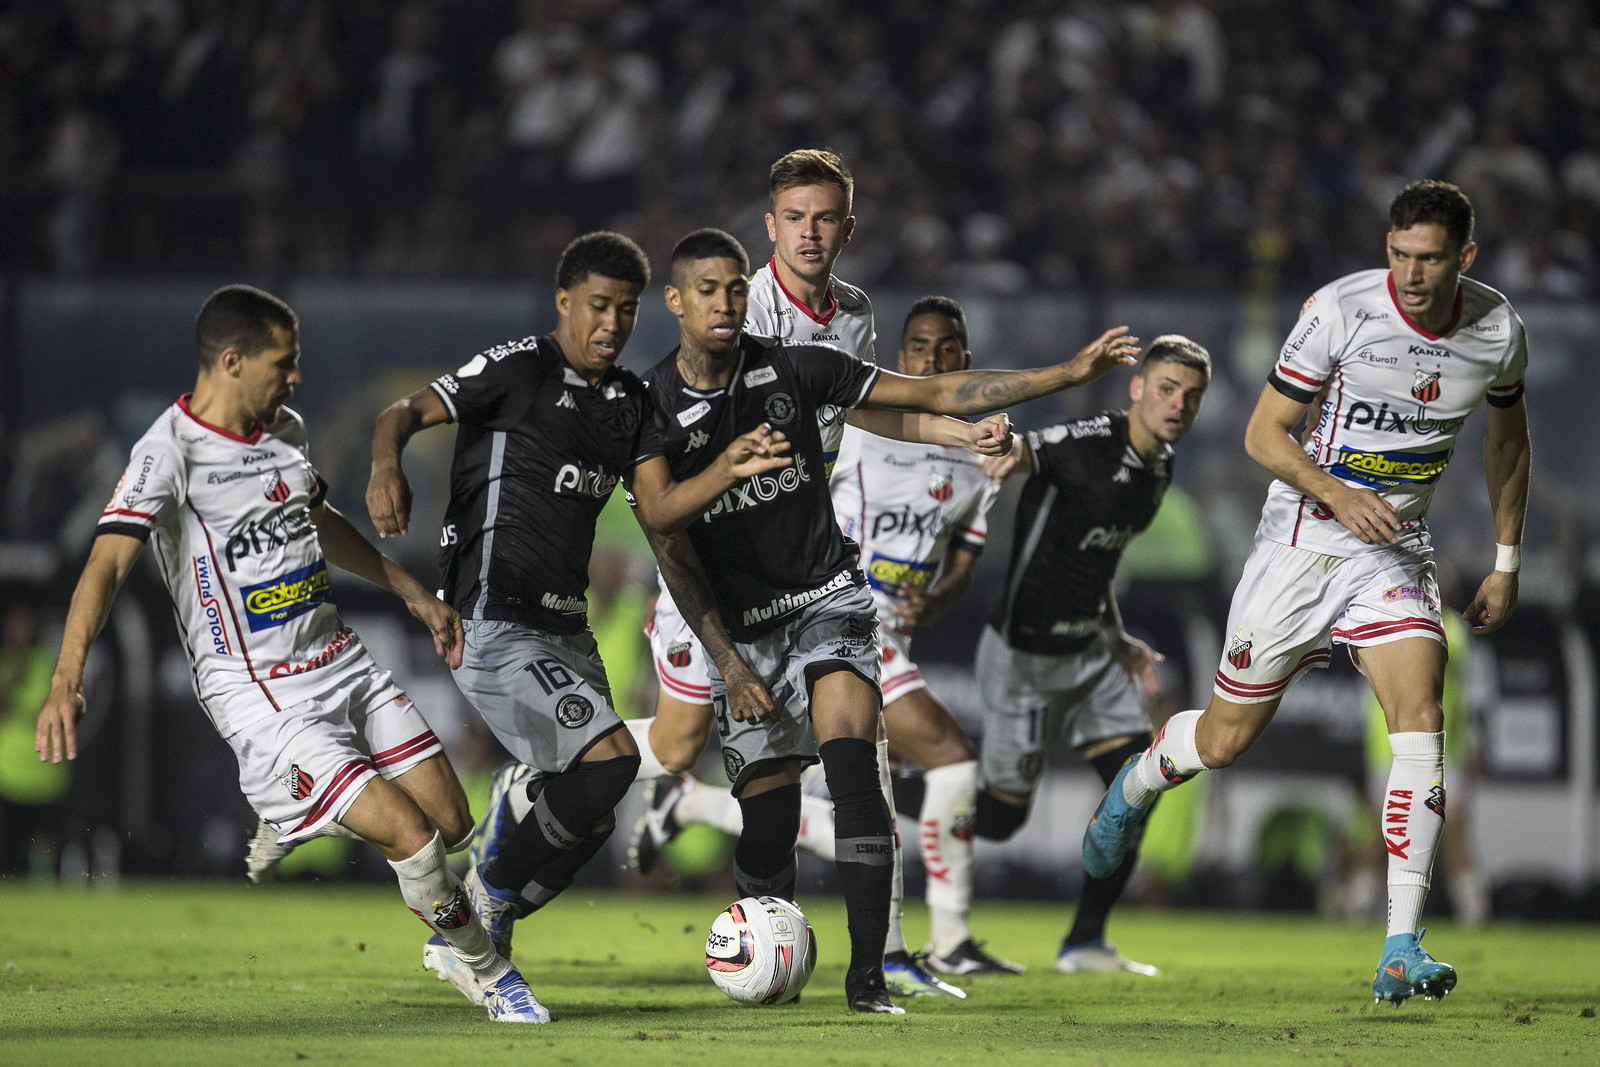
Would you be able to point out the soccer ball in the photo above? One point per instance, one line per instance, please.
(761, 950)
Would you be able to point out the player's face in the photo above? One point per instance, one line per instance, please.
(1426, 266)
(596, 318)
(1166, 399)
(932, 345)
(710, 300)
(809, 227)
(267, 378)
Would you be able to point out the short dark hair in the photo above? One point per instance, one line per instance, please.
(1433, 201)
(1176, 348)
(241, 317)
(610, 255)
(708, 243)
(938, 305)
(811, 166)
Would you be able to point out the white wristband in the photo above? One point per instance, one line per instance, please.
(1508, 558)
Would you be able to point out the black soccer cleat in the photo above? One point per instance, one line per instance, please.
(867, 995)
(969, 957)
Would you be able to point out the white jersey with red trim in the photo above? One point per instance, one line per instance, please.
(1393, 399)
(229, 518)
(846, 324)
(905, 504)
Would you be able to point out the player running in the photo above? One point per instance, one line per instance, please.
(1054, 663)
(223, 488)
(787, 586)
(548, 427)
(1396, 360)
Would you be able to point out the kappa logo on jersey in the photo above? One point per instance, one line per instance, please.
(1239, 653)
(1122, 477)
(1389, 468)
(566, 401)
(780, 409)
(275, 602)
(942, 487)
(573, 711)
(453, 913)
(298, 782)
(680, 654)
(210, 607)
(891, 575)
(585, 482)
(275, 531)
(1426, 386)
(274, 486)
(1389, 421)
(1435, 801)
(760, 489)
(697, 439)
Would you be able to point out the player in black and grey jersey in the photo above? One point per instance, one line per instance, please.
(548, 427)
(786, 582)
(1054, 663)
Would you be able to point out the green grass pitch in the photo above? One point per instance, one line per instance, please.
(187, 973)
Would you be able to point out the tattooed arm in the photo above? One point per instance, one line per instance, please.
(974, 392)
(685, 578)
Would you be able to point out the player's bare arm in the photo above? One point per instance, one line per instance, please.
(918, 607)
(989, 437)
(974, 392)
(1132, 655)
(1269, 440)
(345, 547)
(1507, 461)
(666, 506)
(685, 578)
(1017, 459)
(110, 560)
(388, 492)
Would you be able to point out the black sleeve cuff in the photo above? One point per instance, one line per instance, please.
(1294, 392)
(126, 529)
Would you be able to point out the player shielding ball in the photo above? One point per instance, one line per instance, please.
(1054, 663)
(787, 585)
(222, 488)
(1396, 361)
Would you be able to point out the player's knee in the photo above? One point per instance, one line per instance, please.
(996, 819)
(678, 754)
(1221, 750)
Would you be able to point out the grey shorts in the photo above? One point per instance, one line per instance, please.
(841, 629)
(1032, 702)
(544, 695)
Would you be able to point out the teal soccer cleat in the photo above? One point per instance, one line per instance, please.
(904, 976)
(1110, 833)
(1405, 969)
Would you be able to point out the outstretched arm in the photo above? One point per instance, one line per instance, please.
(666, 506)
(1016, 460)
(973, 392)
(344, 547)
(388, 492)
(990, 437)
(1507, 461)
(685, 578)
(1269, 441)
(110, 560)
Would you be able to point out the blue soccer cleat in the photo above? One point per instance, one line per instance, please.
(1405, 969)
(509, 1000)
(498, 821)
(1110, 832)
(904, 976)
(497, 909)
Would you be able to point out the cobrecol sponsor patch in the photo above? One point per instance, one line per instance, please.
(275, 602)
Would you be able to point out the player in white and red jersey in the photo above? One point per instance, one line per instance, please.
(1397, 360)
(222, 488)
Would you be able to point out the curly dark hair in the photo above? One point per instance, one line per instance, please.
(1433, 201)
(607, 254)
(938, 305)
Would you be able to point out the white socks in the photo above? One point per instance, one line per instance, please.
(1171, 760)
(706, 804)
(896, 941)
(1413, 819)
(437, 898)
(649, 767)
(948, 806)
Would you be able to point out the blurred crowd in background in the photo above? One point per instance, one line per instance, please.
(999, 145)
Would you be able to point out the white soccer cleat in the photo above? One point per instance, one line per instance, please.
(509, 1000)
(262, 859)
(439, 958)
(1099, 957)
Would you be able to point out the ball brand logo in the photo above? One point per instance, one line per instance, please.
(275, 602)
(596, 484)
(298, 782)
(1239, 653)
(274, 486)
(1426, 387)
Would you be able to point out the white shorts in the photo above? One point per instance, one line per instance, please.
(1291, 605)
(679, 658)
(303, 768)
(898, 676)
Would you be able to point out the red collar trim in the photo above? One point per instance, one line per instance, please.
(1455, 316)
(821, 320)
(255, 435)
